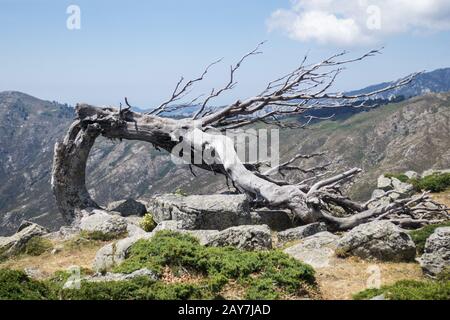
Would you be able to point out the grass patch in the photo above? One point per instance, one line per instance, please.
(420, 236)
(265, 274)
(37, 246)
(410, 290)
(101, 236)
(400, 176)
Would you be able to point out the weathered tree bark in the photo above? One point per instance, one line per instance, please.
(300, 91)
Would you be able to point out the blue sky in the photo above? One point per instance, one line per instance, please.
(140, 49)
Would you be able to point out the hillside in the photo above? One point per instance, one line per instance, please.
(413, 134)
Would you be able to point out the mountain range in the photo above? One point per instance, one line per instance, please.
(412, 134)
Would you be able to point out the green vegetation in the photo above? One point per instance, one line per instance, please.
(437, 182)
(264, 275)
(204, 273)
(180, 192)
(410, 290)
(420, 236)
(37, 246)
(148, 223)
(16, 285)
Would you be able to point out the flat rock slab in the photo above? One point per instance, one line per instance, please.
(210, 212)
(316, 250)
(214, 212)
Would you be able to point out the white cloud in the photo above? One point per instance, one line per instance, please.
(359, 22)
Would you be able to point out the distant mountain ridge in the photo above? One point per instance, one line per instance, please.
(436, 81)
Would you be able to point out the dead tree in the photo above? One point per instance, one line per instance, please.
(295, 94)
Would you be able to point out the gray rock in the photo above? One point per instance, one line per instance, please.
(101, 221)
(63, 234)
(412, 175)
(171, 225)
(301, 232)
(34, 273)
(380, 297)
(115, 253)
(16, 243)
(208, 212)
(436, 257)
(277, 220)
(381, 202)
(243, 237)
(381, 240)
(205, 237)
(384, 183)
(99, 277)
(128, 207)
(405, 189)
(316, 250)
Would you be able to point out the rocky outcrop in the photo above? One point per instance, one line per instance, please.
(316, 250)
(380, 240)
(243, 237)
(128, 207)
(16, 243)
(436, 257)
(302, 232)
(102, 222)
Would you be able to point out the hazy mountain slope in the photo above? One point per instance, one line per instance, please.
(412, 135)
(29, 128)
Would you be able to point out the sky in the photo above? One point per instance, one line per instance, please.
(139, 49)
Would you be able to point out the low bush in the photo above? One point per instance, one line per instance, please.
(37, 246)
(265, 274)
(16, 285)
(400, 176)
(437, 182)
(410, 290)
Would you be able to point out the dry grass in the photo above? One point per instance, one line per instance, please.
(345, 277)
(48, 263)
(442, 197)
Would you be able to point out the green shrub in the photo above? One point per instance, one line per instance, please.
(272, 273)
(16, 285)
(410, 290)
(37, 246)
(420, 236)
(437, 182)
(148, 223)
